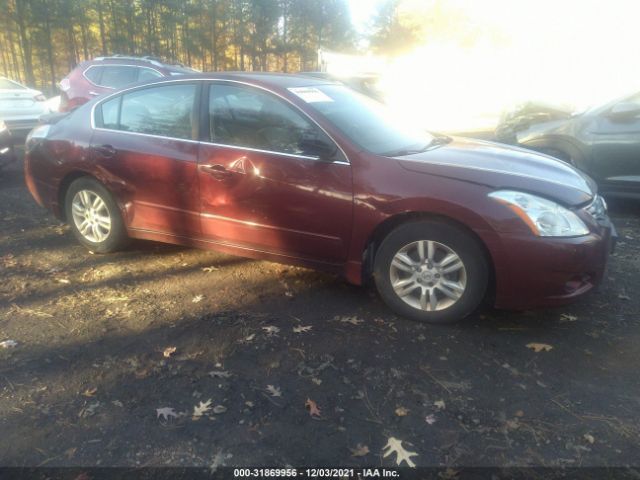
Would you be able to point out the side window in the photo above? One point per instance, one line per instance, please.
(117, 76)
(165, 110)
(110, 111)
(93, 74)
(145, 74)
(248, 117)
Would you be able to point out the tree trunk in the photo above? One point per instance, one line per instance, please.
(103, 41)
(25, 41)
(52, 67)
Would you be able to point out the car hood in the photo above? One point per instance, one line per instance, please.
(504, 167)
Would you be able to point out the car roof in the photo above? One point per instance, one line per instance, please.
(151, 62)
(267, 79)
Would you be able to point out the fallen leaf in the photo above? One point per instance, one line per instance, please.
(402, 412)
(70, 452)
(302, 329)
(351, 320)
(197, 298)
(313, 408)
(519, 413)
(201, 409)
(589, 438)
(395, 446)
(539, 347)
(90, 392)
(8, 344)
(166, 412)
(565, 317)
(430, 419)
(248, 338)
(218, 409)
(271, 330)
(359, 451)
(167, 352)
(317, 381)
(219, 374)
(274, 391)
(210, 269)
(440, 404)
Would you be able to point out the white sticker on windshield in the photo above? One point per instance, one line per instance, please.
(310, 94)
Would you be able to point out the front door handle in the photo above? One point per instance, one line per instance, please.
(105, 151)
(216, 171)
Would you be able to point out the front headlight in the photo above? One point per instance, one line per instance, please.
(544, 217)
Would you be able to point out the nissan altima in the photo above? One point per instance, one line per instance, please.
(308, 172)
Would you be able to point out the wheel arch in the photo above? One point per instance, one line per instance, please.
(63, 188)
(575, 155)
(383, 229)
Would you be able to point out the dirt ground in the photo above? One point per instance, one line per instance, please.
(105, 341)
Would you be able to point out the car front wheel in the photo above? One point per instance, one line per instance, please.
(94, 216)
(431, 271)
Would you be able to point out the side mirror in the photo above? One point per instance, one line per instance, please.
(318, 147)
(624, 111)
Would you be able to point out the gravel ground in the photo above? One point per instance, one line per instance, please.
(162, 355)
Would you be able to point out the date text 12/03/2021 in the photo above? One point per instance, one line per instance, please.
(316, 472)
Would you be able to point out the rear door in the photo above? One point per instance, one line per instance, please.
(146, 139)
(261, 188)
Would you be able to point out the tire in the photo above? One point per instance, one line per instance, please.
(100, 235)
(458, 285)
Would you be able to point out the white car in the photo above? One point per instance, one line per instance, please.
(20, 107)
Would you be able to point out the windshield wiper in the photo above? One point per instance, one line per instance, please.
(435, 142)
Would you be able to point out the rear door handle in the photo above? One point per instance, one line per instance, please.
(105, 151)
(216, 171)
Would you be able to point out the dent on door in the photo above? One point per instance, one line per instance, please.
(276, 203)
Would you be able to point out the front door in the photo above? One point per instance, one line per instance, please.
(147, 138)
(261, 189)
(616, 150)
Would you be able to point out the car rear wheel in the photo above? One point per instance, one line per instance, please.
(431, 271)
(94, 216)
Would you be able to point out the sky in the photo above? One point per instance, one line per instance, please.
(362, 11)
(573, 52)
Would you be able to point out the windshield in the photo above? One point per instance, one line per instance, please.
(368, 123)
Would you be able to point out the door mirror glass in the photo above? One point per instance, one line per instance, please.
(624, 111)
(318, 147)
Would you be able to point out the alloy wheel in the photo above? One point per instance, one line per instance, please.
(428, 275)
(91, 216)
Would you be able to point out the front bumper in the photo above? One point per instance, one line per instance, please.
(546, 272)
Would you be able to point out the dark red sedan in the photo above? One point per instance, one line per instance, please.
(305, 171)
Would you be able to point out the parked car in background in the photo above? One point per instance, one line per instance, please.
(6, 145)
(20, 107)
(105, 74)
(304, 171)
(603, 141)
